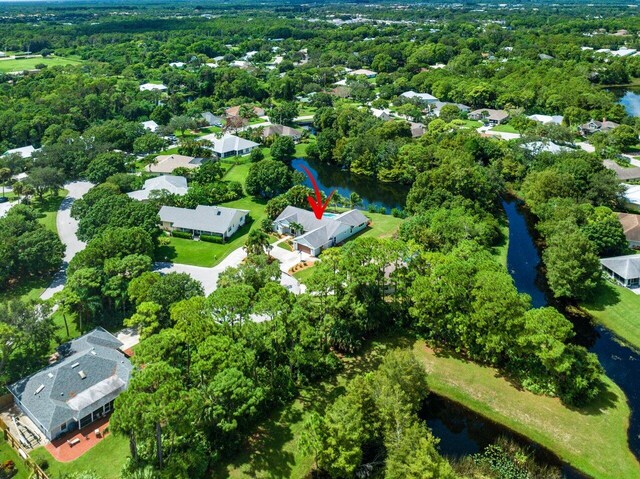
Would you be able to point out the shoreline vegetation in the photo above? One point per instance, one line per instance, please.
(563, 431)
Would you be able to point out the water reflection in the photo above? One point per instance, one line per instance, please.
(331, 177)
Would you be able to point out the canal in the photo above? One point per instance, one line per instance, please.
(621, 363)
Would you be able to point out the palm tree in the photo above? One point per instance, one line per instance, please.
(5, 174)
(296, 228)
(354, 200)
(257, 242)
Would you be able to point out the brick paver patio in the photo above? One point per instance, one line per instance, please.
(63, 451)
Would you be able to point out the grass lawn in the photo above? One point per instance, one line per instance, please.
(7, 453)
(593, 440)
(201, 253)
(504, 129)
(105, 459)
(304, 274)
(382, 226)
(48, 208)
(238, 173)
(618, 309)
(30, 63)
(472, 124)
(285, 246)
(502, 248)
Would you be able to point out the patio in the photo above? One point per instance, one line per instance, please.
(74, 444)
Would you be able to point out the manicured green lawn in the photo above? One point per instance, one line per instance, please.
(201, 253)
(105, 459)
(238, 173)
(304, 274)
(504, 129)
(618, 309)
(30, 63)
(7, 453)
(48, 208)
(472, 124)
(382, 226)
(593, 439)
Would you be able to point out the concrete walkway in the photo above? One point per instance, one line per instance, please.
(67, 229)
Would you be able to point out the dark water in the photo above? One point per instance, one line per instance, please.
(621, 363)
(629, 98)
(331, 177)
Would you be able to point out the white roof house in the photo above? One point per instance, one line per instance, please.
(363, 71)
(152, 87)
(209, 220)
(176, 185)
(545, 119)
(150, 125)
(230, 145)
(24, 151)
(165, 164)
(319, 234)
(426, 97)
(545, 146)
(632, 193)
(177, 64)
(624, 269)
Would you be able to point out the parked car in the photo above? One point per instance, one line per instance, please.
(3, 199)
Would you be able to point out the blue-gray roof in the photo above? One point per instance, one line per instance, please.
(59, 393)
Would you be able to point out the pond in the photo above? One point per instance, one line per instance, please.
(331, 177)
(621, 363)
(629, 98)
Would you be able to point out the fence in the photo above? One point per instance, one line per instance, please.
(14, 443)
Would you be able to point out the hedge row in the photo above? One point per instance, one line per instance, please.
(182, 234)
(211, 239)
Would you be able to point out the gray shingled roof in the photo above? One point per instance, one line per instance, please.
(628, 267)
(319, 232)
(215, 219)
(58, 394)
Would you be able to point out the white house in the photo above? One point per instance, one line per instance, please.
(176, 185)
(545, 147)
(312, 235)
(545, 119)
(150, 125)
(230, 145)
(80, 387)
(363, 72)
(208, 220)
(152, 87)
(24, 151)
(623, 269)
(423, 97)
(632, 194)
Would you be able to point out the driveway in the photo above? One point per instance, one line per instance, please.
(5, 207)
(208, 277)
(67, 229)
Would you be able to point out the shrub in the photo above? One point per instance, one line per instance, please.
(182, 234)
(43, 464)
(371, 208)
(212, 239)
(398, 213)
(382, 210)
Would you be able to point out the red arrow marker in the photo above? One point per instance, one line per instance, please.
(317, 205)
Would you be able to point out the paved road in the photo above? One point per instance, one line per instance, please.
(67, 229)
(4, 207)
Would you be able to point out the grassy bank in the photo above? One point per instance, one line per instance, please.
(7, 453)
(618, 309)
(593, 440)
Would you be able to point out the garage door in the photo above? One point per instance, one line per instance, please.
(304, 249)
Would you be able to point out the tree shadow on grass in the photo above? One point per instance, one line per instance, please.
(606, 398)
(604, 295)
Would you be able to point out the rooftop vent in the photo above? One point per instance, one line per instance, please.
(75, 365)
(50, 375)
(94, 353)
(39, 390)
(82, 374)
(218, 212)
